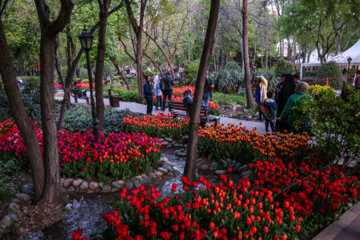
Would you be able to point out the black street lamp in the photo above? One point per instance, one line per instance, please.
(348, 75)
(86, 39)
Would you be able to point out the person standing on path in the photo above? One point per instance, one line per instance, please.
(148, 95)
(270, 104)
(287, 89)
(166, 86)
(157, 91)
(260, 93)
(207, 93)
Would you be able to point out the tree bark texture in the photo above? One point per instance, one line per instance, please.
(22, 120)
(103, 13)
(191, 155)
(49, 31)
(113, 60)
(249, 97)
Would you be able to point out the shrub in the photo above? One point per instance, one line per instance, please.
(228, 79)
(318, 90)
(228, 99)
(79, 118)
(125, 95)
(332, 71)
(284, 67)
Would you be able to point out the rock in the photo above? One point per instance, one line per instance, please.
(77, 182)
(231, 164)
(146, 180)
(184, 139)
(94, 185)
(14, 218)
(13, 206)
(128, 185)
(178, 151)
(101, 184)
(27, 191)
(159, 174)
(164, 143)
(242, 169)
(168, 140)
(220, 172)
(23, 197)
(17, 201)
(136, 183)
(199, 162)
(71, 189)
(106, 188)
(222, 163)
(236, 167)
(169, 145)
(152, 175)
(166, 166)
(84, 185)
(162, 170)
(181, 154)
(213, 166)
(177, 145)
(5, 222)
(90, 191)
(68, 182)
(117, 184)
(29, 186)
(203, 167)
(245, 174)
(160, 139)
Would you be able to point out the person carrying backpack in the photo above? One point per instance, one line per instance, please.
(271, 106)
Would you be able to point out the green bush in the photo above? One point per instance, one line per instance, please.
(125, 95)
(78, 118)
(83, 73)
(191, 69)
(332, 71)
(31, 81)
(284, 67)
(226, 80)
(228, 99)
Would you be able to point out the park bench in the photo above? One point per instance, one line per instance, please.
(179, 109)
(78, 93)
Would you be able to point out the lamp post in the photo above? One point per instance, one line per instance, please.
(86, 39)
(348, 75)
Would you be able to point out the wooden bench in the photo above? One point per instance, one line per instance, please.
(179, 109)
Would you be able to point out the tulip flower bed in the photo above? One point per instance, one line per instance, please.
(238, 143)
(276, 202)
(116, 156)
(160, 125)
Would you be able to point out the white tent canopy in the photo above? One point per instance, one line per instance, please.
(341, 59)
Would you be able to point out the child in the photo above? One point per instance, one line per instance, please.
(270, 104)
(187, 100)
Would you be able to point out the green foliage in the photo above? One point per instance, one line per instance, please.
(125, 95)
(191, 69)
(335, 124)
(83, 74)
(320, 90)
(332, 71)
(284, 67)
(79, 118)
(228, 79)
(228, 99)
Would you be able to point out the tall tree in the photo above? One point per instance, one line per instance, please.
(191, 155)
(17, 107)
(49, 31)
(103, 14)
(249, 97)
(138, 29)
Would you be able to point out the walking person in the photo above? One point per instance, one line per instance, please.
(148, 95)
(166, 86)
(260, 93)
(207, 93)
(270, 104)
(158, 92)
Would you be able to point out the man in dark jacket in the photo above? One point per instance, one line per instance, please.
(148, 95)
(166, 86)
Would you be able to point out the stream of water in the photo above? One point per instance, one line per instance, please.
(87, 211)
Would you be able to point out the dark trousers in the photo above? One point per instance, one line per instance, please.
(166, 94)
(272, 125)
(149, 105)
(158, 102)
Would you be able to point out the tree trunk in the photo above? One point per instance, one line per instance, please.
(249, 97)
(51, 156)
(139, 74)
(113, 60)
(103, 13)
(22, 120)
(191, 155)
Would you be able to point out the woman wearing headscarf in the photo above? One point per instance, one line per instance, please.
(261, 91)
(287, 89)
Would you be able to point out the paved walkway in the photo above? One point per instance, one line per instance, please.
(141, 108)
(346, 228)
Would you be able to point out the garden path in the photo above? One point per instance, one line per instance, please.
(141, 108)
